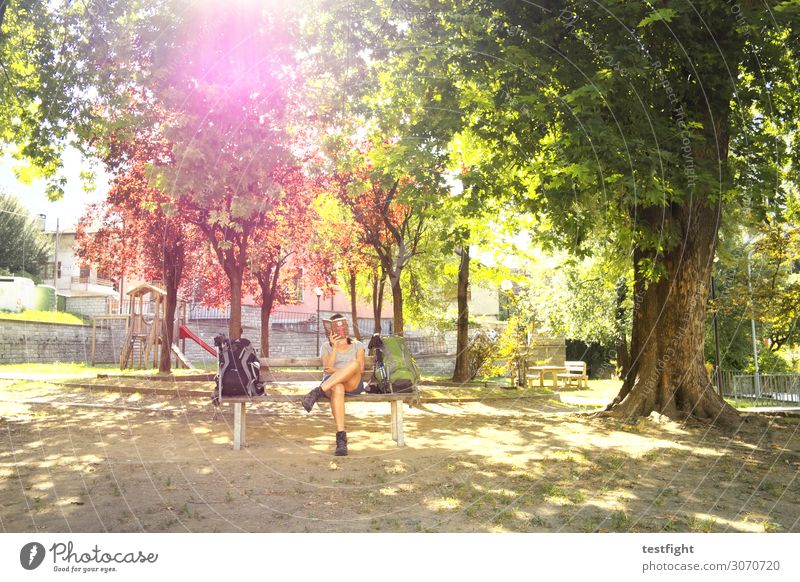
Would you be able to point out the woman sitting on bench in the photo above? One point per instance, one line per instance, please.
(343, 362)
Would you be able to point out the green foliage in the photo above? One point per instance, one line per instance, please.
(58, 59)
(573, 298)
(586, 115)
(24, 248)
(483, 351)
(511, 350)
(769, 294)
(770, 362)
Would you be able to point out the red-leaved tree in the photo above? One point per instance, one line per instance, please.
(393, 230)
(279, 251)
(138, 229)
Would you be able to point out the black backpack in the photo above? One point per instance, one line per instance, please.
(395, 369)
(238, 369)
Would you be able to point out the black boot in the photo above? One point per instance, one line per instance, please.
(311, 398)
(341, 444)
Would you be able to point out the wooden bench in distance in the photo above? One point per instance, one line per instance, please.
(576, 372)
(273, 371)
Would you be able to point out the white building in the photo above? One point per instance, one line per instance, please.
(70, 278)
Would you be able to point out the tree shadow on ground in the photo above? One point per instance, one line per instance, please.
(127, 466)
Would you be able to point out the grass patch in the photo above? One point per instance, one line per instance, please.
(82, 370)
(740, 403)
(479, 391)
(46, 317)
(620, 522)
(771, 526)
(477, 381)
(771, 488)
(701, 525)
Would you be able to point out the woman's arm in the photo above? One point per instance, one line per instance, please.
(360, 358)
(329, 358)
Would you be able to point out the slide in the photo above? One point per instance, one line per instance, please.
(186, 333)
(181, 357)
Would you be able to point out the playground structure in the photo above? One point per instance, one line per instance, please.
(143, 339)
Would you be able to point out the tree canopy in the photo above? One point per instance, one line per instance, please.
(638, 142)
(24, 248)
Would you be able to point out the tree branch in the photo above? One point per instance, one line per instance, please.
(3, 6)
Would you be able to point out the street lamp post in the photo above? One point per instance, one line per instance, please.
(318, 293)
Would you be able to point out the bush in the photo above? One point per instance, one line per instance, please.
(769, 362)
(483, 347)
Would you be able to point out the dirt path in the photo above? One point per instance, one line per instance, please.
(83, 461)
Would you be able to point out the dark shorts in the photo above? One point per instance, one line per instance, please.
(359, 389)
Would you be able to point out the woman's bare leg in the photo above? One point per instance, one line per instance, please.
(343, 375)
(336, 394)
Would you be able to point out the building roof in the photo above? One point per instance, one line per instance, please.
(145, 288)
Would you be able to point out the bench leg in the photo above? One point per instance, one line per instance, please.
(400, 441)
(393, 403)
(397, 423)
(239, 425)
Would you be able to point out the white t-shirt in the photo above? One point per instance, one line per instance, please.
(345, 357)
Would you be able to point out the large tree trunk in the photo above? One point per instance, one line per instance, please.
(168, 329)
(397, 305)
(378, 286)
(268, 282)
(667, 372)
(173, 272)
(266, 312)
(461, 371)
(621, 348)
(235, 322)
(351, 283)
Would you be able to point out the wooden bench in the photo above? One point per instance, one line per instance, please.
(576, 372)
(274, 372)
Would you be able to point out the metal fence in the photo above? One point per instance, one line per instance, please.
(197, 311)
(426, 345)
(299, 321)
(293, 321)
(764, 390)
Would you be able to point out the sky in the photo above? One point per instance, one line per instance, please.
(68, 210)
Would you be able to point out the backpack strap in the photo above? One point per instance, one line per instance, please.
(225, 356)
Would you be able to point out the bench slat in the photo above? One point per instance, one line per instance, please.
(269, 376)
(369, 362)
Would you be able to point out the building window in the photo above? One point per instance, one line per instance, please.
(86, 271)
(59, 269)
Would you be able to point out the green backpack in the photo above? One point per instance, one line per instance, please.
(395, 368)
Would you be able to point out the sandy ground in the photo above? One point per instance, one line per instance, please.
(78, 460)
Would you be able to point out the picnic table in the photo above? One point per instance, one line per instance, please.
(533, 371)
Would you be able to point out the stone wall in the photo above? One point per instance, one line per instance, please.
(90, 306)
(546, 350)
(438, 365)
(24, 342)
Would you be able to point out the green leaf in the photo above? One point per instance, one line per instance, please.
(663, 14)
